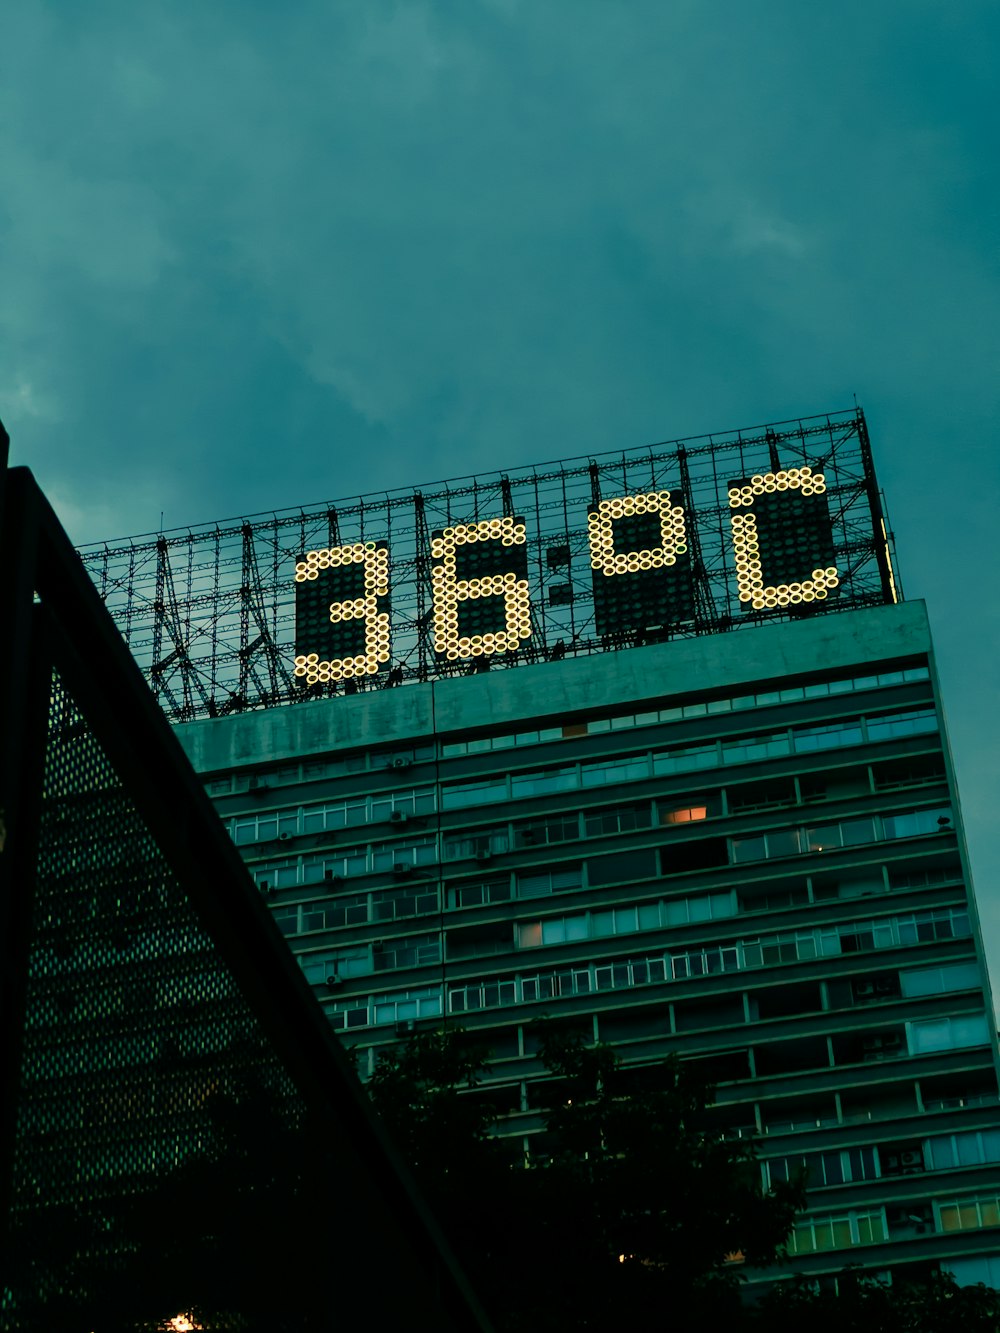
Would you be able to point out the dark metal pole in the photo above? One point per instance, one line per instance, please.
(880, 535)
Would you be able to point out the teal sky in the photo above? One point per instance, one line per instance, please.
(255, 256)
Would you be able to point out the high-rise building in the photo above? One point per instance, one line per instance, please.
(711, 811)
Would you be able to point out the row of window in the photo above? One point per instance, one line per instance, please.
(845, 1165)
(687, 759)
(423, 899)
(419, 803)
(687, 856)
(790, 694)
(846, 833)
(414, 803)
(741, 955)
(967, 1214)
(332, 815)
(356, 910)
(674, 811)
(838, 1231)
(625, 920)
(333, 866)
(332, 766)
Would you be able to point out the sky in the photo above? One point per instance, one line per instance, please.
(255, 256)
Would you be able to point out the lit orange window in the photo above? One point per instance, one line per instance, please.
(687, 816)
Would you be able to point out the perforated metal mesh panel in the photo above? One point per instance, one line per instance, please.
(157, 1166)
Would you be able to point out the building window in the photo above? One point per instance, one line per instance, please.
(480, 843)
(539, 883)
(826, 1168)
(340, 963)
(940, 980)
(912, 723)
(393, 904)
(483, 792)
(838, 1231)
(968, 1214)
(407, 951)
(829, 737)
(351, 911)
(688, 814)
(748, 749)
(554, 930)
(264, 827)
(484, 995)
(480, 892)
(947, 1034)
(617, 819)
(631, 769)
(686, 760)
(412, 1004)
(914, 823)
(972, 1148)
(705, 962)
(542, 832)
(543, 782)
(387, 856)
(633, 972)
(630, 865)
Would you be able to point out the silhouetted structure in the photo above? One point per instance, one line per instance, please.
(180, 1131)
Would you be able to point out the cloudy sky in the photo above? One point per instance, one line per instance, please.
(254, 256)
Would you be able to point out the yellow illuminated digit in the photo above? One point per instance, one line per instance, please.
(450, 591)
(600, 531)
(753, 591)
(375, 560)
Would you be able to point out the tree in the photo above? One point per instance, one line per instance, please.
(633, 1213)
(934, 1303)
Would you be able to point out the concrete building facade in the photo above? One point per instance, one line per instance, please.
(743, 847)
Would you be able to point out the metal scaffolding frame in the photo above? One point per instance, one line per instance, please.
(209, 615)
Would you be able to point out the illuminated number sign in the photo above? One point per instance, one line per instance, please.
(782, 539)
(480, 581)
(641, 567)
(642, 572)
(340, 630)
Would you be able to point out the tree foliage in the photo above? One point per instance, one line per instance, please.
(633, 1213)
(864, 1304)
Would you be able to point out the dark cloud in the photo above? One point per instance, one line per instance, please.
(254, 257)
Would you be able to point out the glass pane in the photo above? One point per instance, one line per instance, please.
(968, 1149)
(856, 832)
(942, 1153)
(749, 849)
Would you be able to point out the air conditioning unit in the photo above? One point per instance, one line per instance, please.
(483, 854)
(402, 868)
(402, 763)
(284, 837)
(911, 1158)
(334, 980)
(398, 817)
(256, 784)
(406, 1027)
(888, 1041)
(863, 988)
